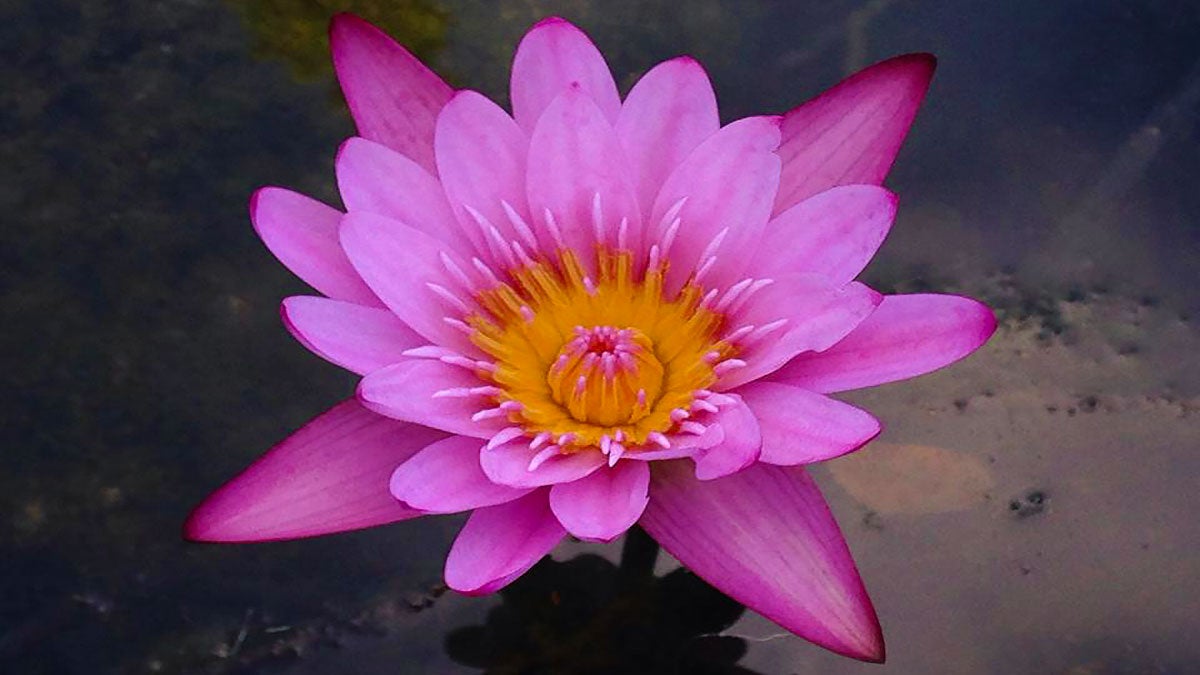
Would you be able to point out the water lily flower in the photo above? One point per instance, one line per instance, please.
(596, 312)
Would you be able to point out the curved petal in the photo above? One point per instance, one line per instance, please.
(303, 234)
(817, 316)
(833, 234)
(553, 56)
(481, 155)
(602, 505)
(375, 179)
(575, 162)
(908, 335)
(359, 339)
(499, 543)
(765, 537)
(669, 112)
(508, 464)
(852, 132)
(729, 183)
(393, 97)
(800, 427)
(741, 442)
(426, 392)
(330, 476)
(402, 265)
(445, 477)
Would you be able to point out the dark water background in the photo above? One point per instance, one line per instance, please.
(1031, 510)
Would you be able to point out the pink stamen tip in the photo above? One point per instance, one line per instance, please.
(460, 325)
(641, 397)
(456, 392)
(619, 436)
(566, 439)
(605, 444)
(527, 313)
(486, 391)
(542, 456)
(700, 404)
(503, 436)
(512, 406)
(615, 453)
(589, 286)
(712, 357)
(623, 234)
(679, 414)
(540, 440)
(519, 224)
(728, 365)
(694, 428)
(488, 414)
(428, 352)
(705, 268)
(659, 439)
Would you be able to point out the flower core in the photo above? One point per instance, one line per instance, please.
(605, 361)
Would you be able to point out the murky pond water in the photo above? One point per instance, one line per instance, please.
(1031, 509)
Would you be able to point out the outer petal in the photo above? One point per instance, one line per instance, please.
(393, 97)
(602, 505)
(508, 464)
(818, 315)
(670, 111)
(766, 538)
(575, 157)
(375, 179)
(330, 476)
(851, 133)
(357, 338)
(481, 155)
(499, 543)
(552, 56)
(409, 391)
(800, 427)
(303, 233)
(400, 263)
(445, 477)
(729, 183)
(908, 335)
(833, 234)
(740, 446)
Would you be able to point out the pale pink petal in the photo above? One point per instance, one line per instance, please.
(399, 263)
(481, 155)
(393, 97)
(818, 315)
(729, 183)
(765, 537)
(357, 338)
(445, 477)
(833, 234)
(373, 178)
(852, 132)
(670, 111)
(575, 159)
(553, 56)
(508, 464)
(908, 335)
(800, 427)
(740, 444)
(499, 543)
(303, 233)
(330, 476)
(406, 391)
(602, 505)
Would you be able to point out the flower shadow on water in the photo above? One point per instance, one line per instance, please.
(587, 615)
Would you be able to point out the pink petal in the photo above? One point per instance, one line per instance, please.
(574, 156)
(670, 111)
(852, 132)
(445, 477)
(833, 234)
(729, 182)
(405, 391)
(399, 262)
(800, 427)
(303, 233)
(393, 97)
(330, 476)
(375, 179)
(739, 448)
(908, 335)
(508, 464)
(818, 315)
(481, 155)
(359, 339)
(553, 56)
(766, 538)
(499, 543)
(602, 505)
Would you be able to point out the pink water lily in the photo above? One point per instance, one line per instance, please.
(598, 312)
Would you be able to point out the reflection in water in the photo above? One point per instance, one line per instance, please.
(587, 615)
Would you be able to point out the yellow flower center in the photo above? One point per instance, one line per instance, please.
(585, 362)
